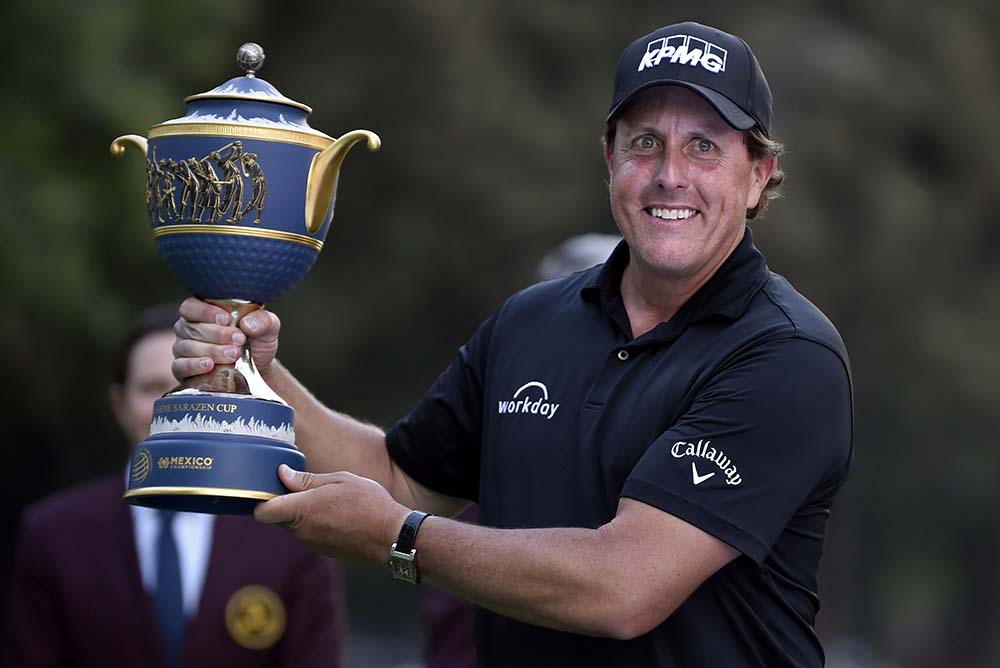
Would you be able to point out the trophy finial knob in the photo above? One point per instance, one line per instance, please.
(250, 57)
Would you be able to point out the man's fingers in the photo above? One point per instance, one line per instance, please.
(204, 339)
(285, 509)
(193, 358)
(186, 368)
(204, 323)
(208, 332)
(261, 324)
(193, 309)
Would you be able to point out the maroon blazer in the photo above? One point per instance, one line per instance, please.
(77, 597)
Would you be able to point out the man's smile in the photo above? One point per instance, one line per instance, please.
(671, 214)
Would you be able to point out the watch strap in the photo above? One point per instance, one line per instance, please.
(403, 553)
(408, 532)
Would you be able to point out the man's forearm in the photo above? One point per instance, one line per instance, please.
(570, 579)
(620, 580)
(330, 440)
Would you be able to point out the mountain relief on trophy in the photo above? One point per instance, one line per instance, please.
(224, 185)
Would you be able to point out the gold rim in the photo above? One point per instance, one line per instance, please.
(200, 491)
(317, 141)
(167, 230)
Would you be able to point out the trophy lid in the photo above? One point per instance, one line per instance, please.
(248, 87)
(244, 101)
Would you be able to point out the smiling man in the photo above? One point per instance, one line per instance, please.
(672, 511)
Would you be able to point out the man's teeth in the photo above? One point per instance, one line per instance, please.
(673, 214)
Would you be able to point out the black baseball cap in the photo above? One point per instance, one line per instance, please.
(715, 64)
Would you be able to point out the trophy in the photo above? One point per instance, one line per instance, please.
(240, 193)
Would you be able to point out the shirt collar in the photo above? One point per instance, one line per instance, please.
(727, 293)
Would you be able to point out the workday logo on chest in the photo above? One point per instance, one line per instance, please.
(531, 398)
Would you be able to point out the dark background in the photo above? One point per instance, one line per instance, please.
(490, 114)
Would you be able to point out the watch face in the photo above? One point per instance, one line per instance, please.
(403, 569)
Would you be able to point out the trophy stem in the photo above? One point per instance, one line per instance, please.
(240, 377)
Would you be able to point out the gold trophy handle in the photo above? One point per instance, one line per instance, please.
(321, 185)
(118, 145)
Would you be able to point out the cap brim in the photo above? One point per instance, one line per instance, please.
(732, 114)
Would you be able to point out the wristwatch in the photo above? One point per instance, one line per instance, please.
(403, 553)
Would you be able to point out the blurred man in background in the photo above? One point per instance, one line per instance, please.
(654, 444)
(97, 582)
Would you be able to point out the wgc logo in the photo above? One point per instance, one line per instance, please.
(142, 462)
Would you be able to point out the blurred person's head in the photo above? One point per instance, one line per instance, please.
(142, 370)
(688, 147)
(576, 254)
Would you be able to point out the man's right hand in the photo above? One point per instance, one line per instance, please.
(205, 338)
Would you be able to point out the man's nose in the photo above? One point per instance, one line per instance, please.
(673, 169)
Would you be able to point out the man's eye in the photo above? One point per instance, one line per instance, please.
(704, 146)
(646, 142)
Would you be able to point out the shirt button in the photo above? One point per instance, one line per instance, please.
(623, 354)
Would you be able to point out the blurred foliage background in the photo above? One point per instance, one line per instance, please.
(490, 114)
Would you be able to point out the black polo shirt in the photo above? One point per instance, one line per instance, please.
(735, 416)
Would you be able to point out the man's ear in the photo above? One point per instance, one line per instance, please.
(762, 170)
(607, 155)
(116, 399)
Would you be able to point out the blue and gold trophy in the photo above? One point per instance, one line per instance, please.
(240, 193)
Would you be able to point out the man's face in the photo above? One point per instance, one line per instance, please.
(148, 379)
(681, 182)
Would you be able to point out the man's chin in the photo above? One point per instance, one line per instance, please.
(671, 266)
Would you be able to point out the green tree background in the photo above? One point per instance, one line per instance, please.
(490, 114)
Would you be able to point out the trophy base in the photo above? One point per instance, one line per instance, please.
(213, 453)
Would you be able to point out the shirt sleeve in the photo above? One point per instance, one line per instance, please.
(438, 444)
(772, 429)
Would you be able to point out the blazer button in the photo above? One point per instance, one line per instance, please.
(623, 354)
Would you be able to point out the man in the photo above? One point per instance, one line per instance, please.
(95, 585)
(654, 444)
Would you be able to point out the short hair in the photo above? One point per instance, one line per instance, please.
(758, 144)
(159, 318)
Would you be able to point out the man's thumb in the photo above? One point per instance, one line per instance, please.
(298, 481)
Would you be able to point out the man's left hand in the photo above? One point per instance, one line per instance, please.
(338, 514)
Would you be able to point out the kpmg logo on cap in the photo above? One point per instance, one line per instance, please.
(686, 50)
